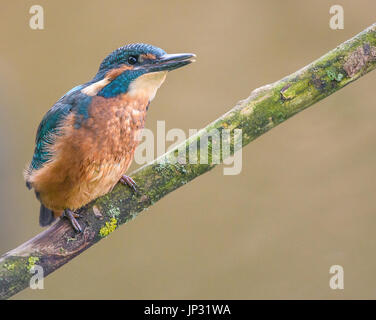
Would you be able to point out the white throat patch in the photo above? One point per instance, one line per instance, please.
(147, 85)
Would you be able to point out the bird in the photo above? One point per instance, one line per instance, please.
(86, 142)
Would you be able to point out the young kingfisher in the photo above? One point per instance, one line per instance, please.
(86, 141)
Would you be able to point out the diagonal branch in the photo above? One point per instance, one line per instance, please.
(264, 109)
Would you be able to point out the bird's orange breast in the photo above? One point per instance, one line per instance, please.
(89, 158)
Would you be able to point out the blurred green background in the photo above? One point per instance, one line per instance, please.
(305, 199)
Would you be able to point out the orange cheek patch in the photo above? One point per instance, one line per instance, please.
(111, 75)
(149, 56)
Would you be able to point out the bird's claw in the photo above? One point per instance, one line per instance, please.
(126, 180)
(71, 216)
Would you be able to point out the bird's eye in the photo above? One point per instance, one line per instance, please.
(132, 59)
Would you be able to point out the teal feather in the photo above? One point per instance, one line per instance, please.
(73, 101)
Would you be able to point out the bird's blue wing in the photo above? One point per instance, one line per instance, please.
(49, 127)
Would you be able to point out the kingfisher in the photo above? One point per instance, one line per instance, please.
(85, 143)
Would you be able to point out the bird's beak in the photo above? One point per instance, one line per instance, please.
(170, 62)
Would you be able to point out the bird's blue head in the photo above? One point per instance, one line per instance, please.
(136, 69)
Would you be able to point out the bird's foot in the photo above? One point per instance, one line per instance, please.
(72, 216)
(126, 180)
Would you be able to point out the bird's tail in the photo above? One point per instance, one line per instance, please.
(46, 216)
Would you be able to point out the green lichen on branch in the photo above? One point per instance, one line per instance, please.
(31, 262)
(14, 275)
(333, 74)
(108, 228)
(10, 266)
(264, 109)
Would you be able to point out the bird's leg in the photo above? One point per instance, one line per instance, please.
(71, 216)
(126, 180)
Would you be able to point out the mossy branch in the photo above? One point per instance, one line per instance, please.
(264, 109)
